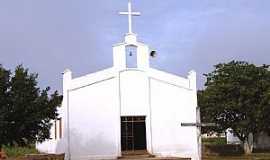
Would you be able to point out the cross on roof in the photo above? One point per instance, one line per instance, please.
(130, 14)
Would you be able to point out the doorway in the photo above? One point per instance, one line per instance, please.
(133, 133)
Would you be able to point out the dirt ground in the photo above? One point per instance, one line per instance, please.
(255, 156)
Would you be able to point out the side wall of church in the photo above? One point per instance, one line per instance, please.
(94, 121)
(170, 106)
(54, 145)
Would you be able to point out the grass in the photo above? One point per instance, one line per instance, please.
(19, 151)
(254, 156)
(217, 142)
(15, 152)
(214, 141)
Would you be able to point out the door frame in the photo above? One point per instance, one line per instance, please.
(132, 120)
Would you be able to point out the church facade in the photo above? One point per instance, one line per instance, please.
(125, 108)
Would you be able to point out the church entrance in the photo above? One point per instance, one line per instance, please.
(133, 134)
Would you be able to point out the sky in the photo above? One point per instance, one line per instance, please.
(48, 36)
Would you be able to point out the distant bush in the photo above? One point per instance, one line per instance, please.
(222, 150)
(13, 151)
(214, 141)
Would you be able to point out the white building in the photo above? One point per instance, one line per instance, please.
(261, 142)
(231, 138)
(127, 107)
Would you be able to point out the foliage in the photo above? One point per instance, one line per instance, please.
(237, 96)
(25, 109)
(214, 141)
(15, 151)
(4, 101)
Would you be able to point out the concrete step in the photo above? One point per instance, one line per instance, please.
(151, 158)
(144, 155)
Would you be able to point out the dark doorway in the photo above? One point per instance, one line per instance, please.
(133, 134)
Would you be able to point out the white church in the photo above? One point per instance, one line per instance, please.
(127, 108)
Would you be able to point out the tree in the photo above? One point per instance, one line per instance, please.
(28, 110)
(4, 101)
(237, 96)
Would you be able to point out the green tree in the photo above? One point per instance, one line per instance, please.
(237, 96)
(28, 109)
(4, 101)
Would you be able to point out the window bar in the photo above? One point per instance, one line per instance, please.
(55, 129)
(126, 135)
(60, 127)
(132, 125)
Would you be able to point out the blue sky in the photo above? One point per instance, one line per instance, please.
(48, 36)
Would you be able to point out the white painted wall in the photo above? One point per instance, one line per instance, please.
(49, 146)
(134, 93)
(52, 145)
(231, 138)
(119, 54)
(172, 105)
(94, 121)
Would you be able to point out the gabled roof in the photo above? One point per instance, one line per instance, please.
(112, 72)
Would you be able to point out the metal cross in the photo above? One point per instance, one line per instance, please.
(130, 14)
(199, 124)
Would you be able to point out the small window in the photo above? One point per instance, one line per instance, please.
(55, 129)
(58, 128)
(131, 56)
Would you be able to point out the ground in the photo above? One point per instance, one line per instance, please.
(217, 144)
(255, 156)
(16, 153)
